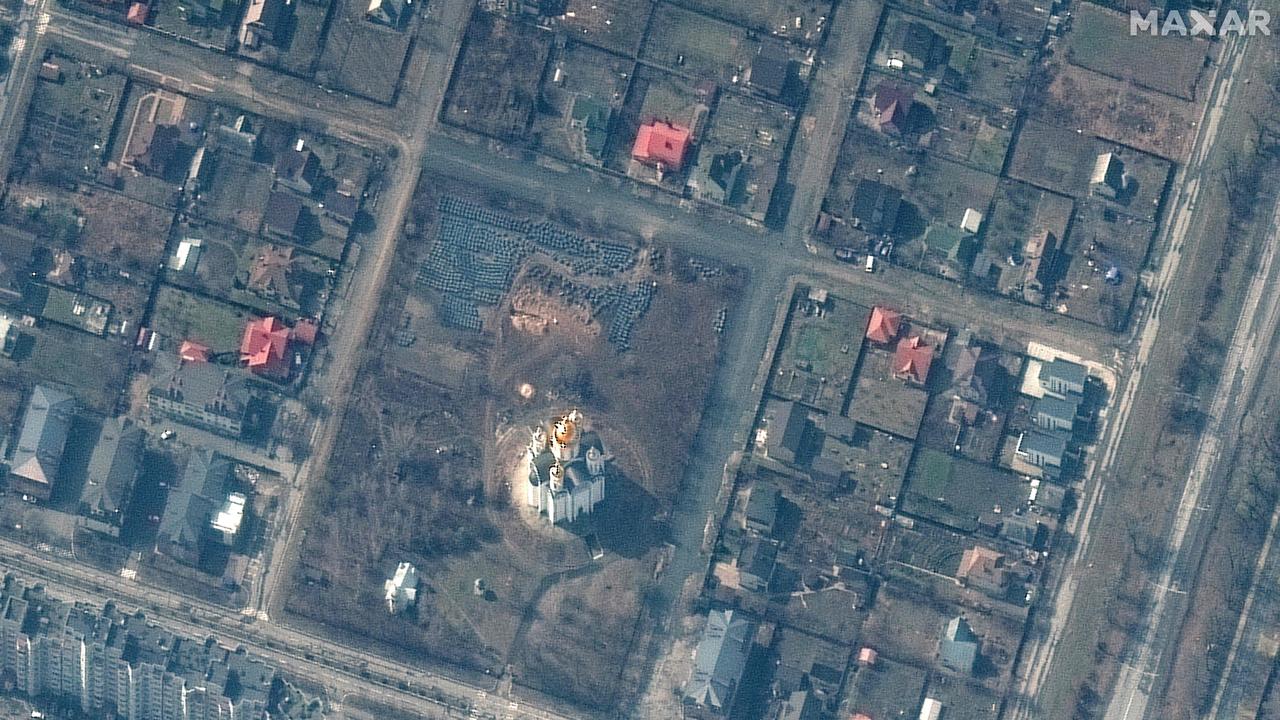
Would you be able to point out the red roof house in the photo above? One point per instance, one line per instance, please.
(192, 351)
(264, 347)
(884, 325)
(892, 103)
(912, 359)
(137, 14)
(661, 143)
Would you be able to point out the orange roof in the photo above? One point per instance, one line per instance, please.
(661, 142)
(264, 345)
(980, 560)
(911, 360)
(137, 13)
(884, 325)
(867, 656)
(192, 351)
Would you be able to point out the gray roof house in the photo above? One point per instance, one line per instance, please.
(113, 468)
(755, 564)
(959, 647)
(191, 504)
(718, 664)
(762, 508)
(1054, 413)
(1044, 450)
(1063, 377)
(200, 394)
(785, 421)
(40, 444)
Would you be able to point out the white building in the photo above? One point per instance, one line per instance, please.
(402, 588)
(226, 522)
(567, 469)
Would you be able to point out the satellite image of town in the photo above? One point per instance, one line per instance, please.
(639, 360)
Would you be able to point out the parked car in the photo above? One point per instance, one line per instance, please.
(846, 254)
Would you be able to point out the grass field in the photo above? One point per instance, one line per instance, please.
(817, 356)
(180, 315)
(698, 45)
(1100, 40)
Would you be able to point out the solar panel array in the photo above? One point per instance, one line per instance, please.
(479, 251)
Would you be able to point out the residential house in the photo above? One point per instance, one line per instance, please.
(270, 272)
(298, 168)
(718, 664)
(1053, 413)
(1023, 529)
(662, 145)
(912, 359)
(1108, 179)
(16, 248)
(267, 22)
(201, 394)
(41, 442)
(281, 216)
(918, 47)
(883, 327)
(189, 509)
(891, 107)
(1043, 449)
(401, 590)
(1041, 255)
(983, 569)
(591, 117)
(959, 647)
(799, 705)
(931, 709)
(762, 508)
(756, 563)
(340, 206)
(391, 13)
(875, 207)
(1063, 377)
(771, 70)
(785, 423)
(113, 469)
(264, 347)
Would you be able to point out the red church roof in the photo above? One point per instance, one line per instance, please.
(661, 142)
(884, 325)
(192, 351)
(912, 359)
(265, 345)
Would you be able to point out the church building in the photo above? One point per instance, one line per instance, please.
(567, 469)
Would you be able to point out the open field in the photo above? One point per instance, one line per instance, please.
(703, 47)
(1100, 40)
(96, 368)
(1120, 111)
(958, 492)
(818, 354)
(495, 82)
(237, 193)
(69, 122)
(360, 57)
(774, 17)
(1101, 240)
(180, 315)
(617, 25)
(437, 450)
